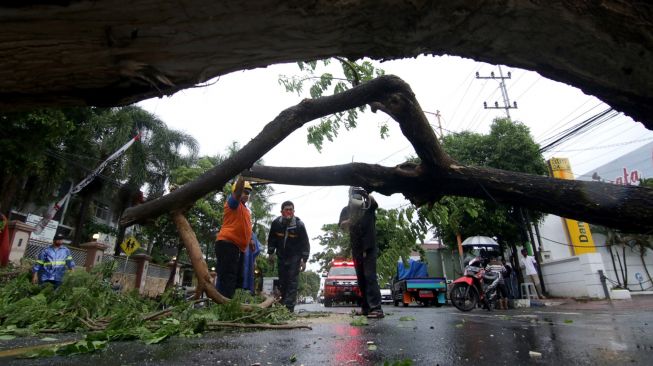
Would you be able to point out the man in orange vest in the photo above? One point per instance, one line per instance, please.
(233, 238)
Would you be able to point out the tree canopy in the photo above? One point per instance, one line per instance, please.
(508, 146)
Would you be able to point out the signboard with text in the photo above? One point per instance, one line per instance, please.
(578, 231)
(48, 232)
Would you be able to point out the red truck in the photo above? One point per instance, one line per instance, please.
(341, 284)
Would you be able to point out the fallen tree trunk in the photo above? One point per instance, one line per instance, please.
(199, 265)
(622, 207)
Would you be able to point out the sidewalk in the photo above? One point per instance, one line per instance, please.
(638, 302)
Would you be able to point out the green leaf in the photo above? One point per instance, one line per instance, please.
(406, 318)
(157, 339)
(359, 321)
(7, 337)
(293, 358)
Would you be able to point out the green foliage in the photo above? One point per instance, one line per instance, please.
(398, 234)
(353, 74)
(309, 283)
(335, 243)
(406, 362)
(85, 303)
(359, 321)
(508, 146)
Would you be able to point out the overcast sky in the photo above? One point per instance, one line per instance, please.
(237, 106)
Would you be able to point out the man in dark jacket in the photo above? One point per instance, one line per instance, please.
(288, 238)
(359, 217)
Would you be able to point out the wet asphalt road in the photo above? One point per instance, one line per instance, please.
(436, 336)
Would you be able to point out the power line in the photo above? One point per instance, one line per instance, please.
(605, 146)
(464, 95)
(555, 125)
(477, 95)
(529, 88)
(577, 129)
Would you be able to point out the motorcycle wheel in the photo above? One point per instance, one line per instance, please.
(463, 297)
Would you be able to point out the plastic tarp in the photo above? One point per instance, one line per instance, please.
(415, 269)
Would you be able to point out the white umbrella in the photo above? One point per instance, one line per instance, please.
(480, 240)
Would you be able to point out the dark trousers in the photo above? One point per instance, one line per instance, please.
(229, 267)
(365, 266)
(288, 280)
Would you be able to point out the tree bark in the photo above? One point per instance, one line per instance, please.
(204, 283)
(105, 53)
(195, 254)
(623, 207)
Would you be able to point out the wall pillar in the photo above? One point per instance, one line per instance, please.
(94, 253)
(142, 264)
(19, 237)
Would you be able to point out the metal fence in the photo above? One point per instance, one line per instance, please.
(132, 266)
(34, 248)
(158, 271)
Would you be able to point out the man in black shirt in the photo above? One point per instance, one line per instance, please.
(288, 238)
(359, 218)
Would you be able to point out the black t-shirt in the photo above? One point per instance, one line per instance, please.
(362, 231)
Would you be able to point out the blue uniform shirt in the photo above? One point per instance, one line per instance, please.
(52, 262)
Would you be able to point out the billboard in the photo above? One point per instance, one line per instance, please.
(578, 232)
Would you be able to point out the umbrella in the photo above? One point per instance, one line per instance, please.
(480, 241)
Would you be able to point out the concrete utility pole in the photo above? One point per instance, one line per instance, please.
(437, 115)
(504, 92)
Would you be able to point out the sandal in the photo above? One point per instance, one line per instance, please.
(376, 314)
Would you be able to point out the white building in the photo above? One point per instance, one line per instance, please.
(568, 274)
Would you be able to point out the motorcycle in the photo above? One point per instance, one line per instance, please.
(476, 286)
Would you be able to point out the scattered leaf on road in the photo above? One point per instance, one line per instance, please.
(372, 347)
(406, 318)
(568, 321)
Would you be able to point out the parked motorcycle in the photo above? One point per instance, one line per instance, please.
(476, 286)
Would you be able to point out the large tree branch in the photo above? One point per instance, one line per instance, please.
(627, 208)
(389, 91)
(623, 207)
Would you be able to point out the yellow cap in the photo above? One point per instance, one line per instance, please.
(245, 186)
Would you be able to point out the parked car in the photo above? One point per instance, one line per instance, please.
(386, 296)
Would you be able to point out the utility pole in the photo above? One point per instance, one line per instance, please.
(437, 115)
(504, 92)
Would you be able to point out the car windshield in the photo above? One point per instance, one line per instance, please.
(342, 271)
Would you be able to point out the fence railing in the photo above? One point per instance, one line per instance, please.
(155, 277)
(34, 248)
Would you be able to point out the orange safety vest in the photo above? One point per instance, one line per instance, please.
(236, 226)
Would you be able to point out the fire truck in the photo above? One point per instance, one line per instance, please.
(341, 285)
